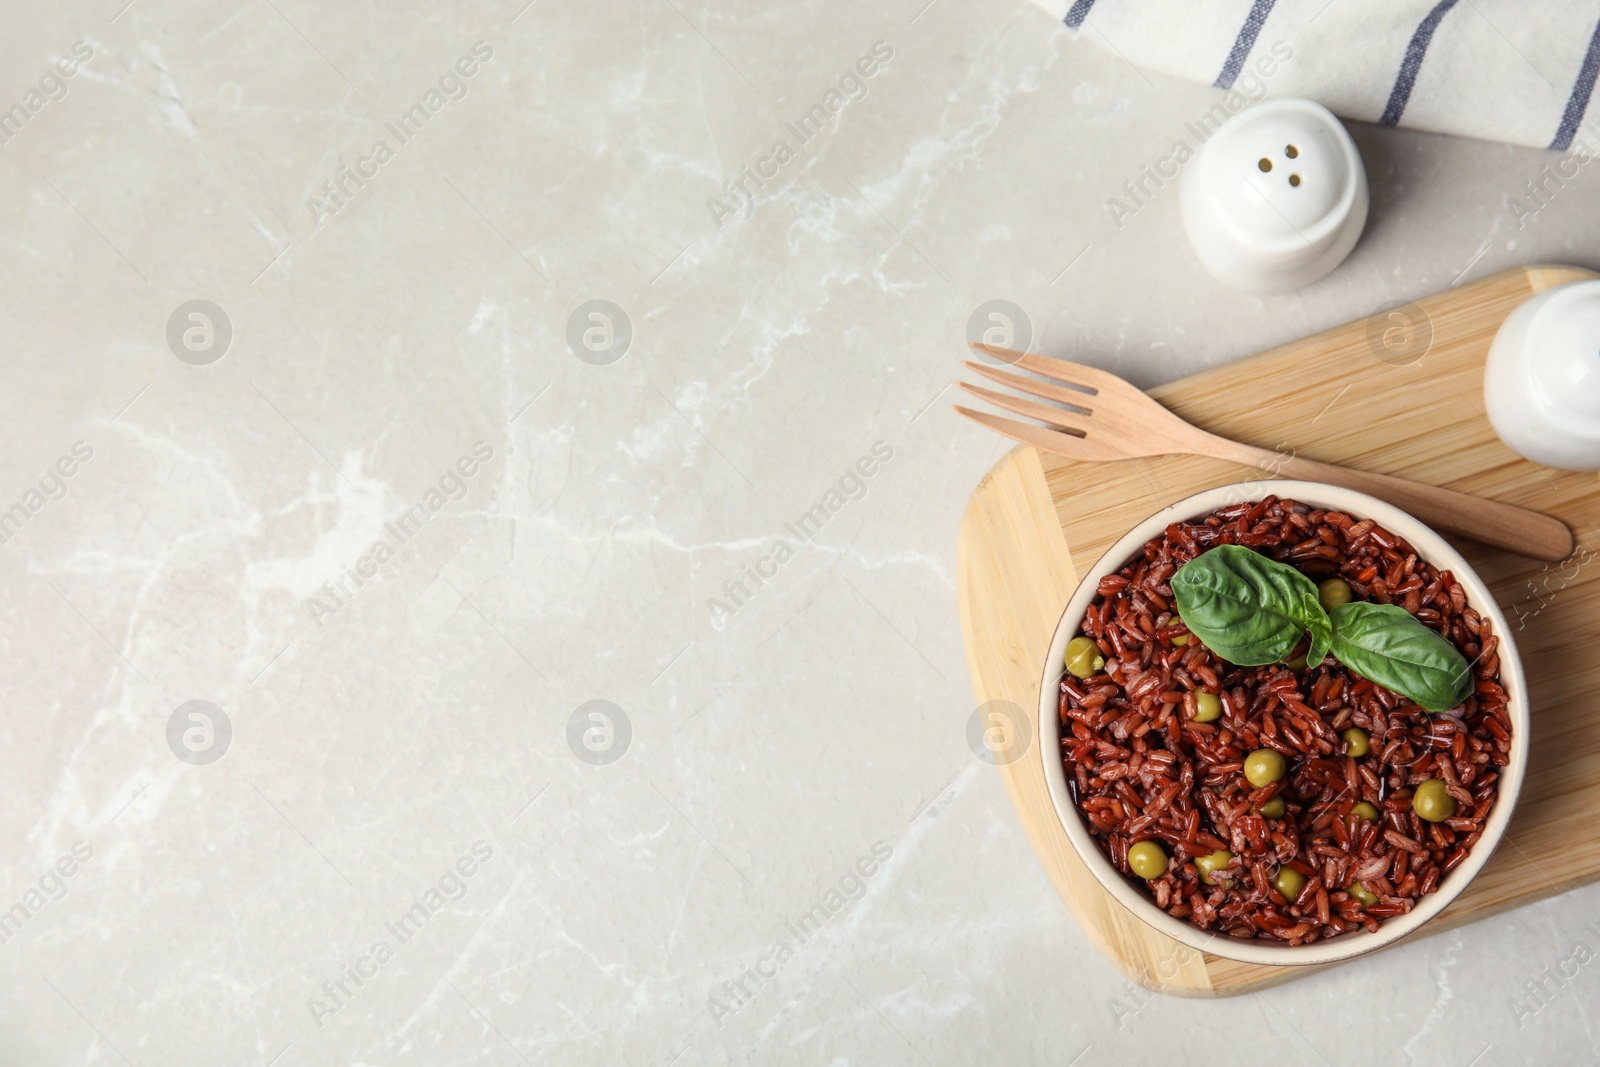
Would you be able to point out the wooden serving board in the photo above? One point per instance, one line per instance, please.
(1037, 520)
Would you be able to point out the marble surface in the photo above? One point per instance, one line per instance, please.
(398, 770)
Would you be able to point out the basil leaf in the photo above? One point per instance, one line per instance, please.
(1385, 644)
(1321, 628)
(1246, 608)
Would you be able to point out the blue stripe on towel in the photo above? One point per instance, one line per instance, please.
(1079, 12)
(1401, 93)
(1578, 102)
(1243, 43)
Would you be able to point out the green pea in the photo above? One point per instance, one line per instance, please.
(1147, 860)
(1263, 767)
(1207, 707)
(1083, 657)
(1212, 862)
(1180, 640)
(1359, 891)
(1272, 809)
(1333, 593)
(1288, 882)
(1432, 801)
(1357, 742)
(1367, 811)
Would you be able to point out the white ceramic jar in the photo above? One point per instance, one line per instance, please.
(1542, 382)
(1276, 198)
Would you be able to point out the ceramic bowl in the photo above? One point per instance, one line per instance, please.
(1429, 546)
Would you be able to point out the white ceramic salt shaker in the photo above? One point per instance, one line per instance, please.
(1542, 382)
(1276, 198)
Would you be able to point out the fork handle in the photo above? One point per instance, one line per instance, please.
(1515, 529)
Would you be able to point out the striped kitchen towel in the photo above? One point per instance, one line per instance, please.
(1505, 70)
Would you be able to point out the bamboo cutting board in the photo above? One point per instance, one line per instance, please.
(1355, 395)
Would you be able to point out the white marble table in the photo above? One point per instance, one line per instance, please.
(399, 764)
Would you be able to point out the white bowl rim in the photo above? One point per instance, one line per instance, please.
(1430, 547)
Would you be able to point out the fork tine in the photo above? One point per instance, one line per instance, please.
(1071, 422)
(1034, 387)
(1079, 374)
(1004, 355)
(1047, 440)
(1061, 370)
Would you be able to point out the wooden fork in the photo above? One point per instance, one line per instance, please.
(1110, 419)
